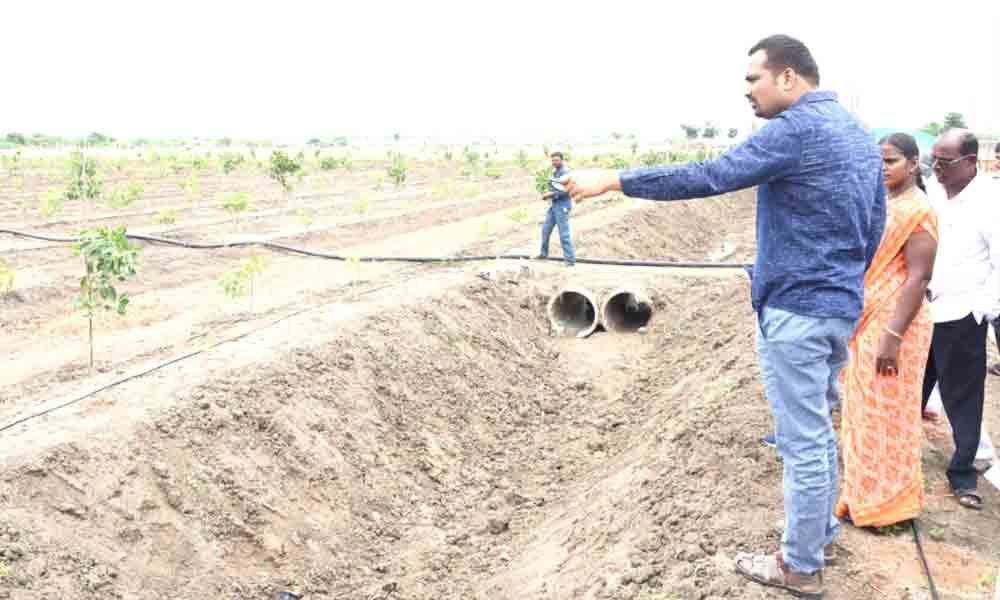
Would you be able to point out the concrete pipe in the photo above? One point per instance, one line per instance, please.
(573, 312)
(626, 310)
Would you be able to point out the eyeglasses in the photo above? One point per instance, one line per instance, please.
(947, 163)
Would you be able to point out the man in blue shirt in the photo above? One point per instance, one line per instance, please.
(558, 214)
(820, 215)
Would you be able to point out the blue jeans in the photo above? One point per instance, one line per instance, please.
(800, 362)
(558, 214)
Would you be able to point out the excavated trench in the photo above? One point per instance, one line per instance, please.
(452, 446)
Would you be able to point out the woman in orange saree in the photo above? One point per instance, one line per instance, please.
(881, 430)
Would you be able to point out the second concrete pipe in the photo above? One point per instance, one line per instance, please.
(626, 310)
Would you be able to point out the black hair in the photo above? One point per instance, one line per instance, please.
(783, 52)
(555, 154)
(907, 146)
(969, 144)
(997, 149)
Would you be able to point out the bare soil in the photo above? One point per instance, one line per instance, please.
(415, 432)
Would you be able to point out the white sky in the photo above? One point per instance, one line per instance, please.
(296, 69)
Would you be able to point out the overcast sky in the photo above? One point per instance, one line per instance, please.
(295, 69)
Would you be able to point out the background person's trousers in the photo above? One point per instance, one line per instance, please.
(996, 331)
(957, 364)
(800, 361)
(558, 215)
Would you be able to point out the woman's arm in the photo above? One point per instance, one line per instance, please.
(918, 252)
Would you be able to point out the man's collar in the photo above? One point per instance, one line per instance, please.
(972, 186)
(816, 96)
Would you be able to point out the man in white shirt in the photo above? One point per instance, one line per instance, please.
(965, 293)
(995, 369)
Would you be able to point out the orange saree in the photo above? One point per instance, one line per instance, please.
(881, 431)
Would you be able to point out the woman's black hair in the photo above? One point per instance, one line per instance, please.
(907, 146)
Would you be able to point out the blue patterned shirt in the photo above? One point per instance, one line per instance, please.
(820, 204)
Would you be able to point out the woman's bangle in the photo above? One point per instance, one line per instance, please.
(894, 334)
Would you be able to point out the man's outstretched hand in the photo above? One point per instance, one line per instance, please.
(587, 183)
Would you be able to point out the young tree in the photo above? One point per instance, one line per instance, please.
(108, 258)
(397, 169)
(122, 197)
(933, 128)
(99, 139)
(166, 216)
(954, 120)
(7, 275)
(281, 169)
(50, 203)
(542, 177)
(690, 131)
(710, 131)
(83, 183)
(522, 159)
(230, 162)
(234, 204)
(471, 157)
(653, 158)
(240, 282)
(733, 132)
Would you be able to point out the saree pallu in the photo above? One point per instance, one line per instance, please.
(881, 429)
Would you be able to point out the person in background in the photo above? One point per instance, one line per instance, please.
(965, 295)
(558, 213)
(820, 214)
(881, 428)
(995, 368)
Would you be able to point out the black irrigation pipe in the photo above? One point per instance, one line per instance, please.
(406, 259)
(372, 259)
(310, 253)
(104, 387)
(161, 365)
(923, 560)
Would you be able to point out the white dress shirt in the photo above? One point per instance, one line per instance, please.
(966, 275)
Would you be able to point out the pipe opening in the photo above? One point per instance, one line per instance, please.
(573, 312)
(626, 312)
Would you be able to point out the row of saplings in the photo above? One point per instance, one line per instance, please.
(109, 258)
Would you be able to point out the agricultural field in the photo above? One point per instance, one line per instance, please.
(258, 422)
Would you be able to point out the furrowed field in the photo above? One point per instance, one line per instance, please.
(350, 429)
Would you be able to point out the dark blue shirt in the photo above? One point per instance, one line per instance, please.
(820, 204)
(558, 196)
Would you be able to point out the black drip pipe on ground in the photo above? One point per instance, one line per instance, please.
(406, 259)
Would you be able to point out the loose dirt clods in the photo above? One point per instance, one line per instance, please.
(419, 434)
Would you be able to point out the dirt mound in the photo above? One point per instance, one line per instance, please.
(402, 457)
(434, 445)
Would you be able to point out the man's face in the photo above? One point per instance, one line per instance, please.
(766, 91)
(556, 162)
(951, 169)
(996, 161)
